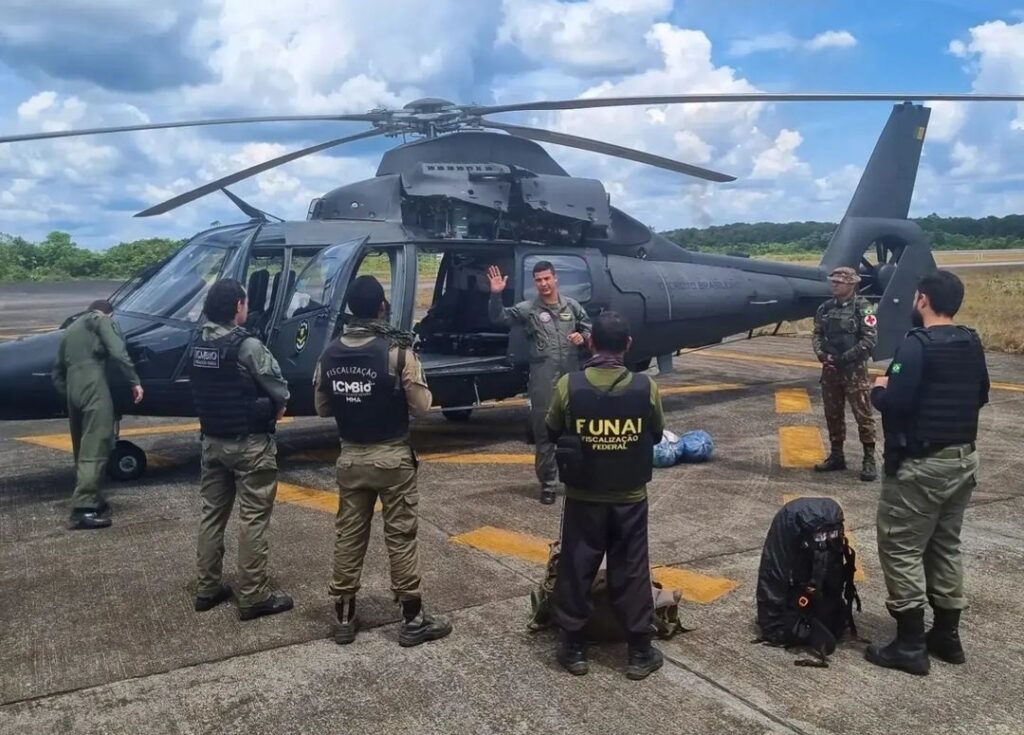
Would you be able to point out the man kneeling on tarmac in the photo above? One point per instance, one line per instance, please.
(605, 421)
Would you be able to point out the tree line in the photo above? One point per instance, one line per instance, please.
(791, 238)
(59, 258)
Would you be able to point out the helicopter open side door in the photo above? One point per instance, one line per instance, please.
(309, 316)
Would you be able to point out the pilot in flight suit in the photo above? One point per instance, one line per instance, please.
(556, 327)
(80, 373)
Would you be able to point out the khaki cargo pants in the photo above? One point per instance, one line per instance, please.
(245, 469)
(920, 514)
(366, 472)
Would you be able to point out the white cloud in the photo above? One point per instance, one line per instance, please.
(592, 35)
(946, 120)
(831, 39)
(781, 158)
(787, 42)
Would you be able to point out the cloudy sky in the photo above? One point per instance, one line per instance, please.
(86, 63)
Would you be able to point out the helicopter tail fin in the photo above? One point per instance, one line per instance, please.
(875, 237)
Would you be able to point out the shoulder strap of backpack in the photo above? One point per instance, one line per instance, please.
(849, 588)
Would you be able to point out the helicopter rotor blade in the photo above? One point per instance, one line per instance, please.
(680, 99)
(608, 149)
(368, 117)
(212, 186)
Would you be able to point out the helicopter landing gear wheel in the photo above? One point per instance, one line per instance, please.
(457, 415)
(127, 462)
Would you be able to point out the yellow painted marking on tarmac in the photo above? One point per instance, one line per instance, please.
(63, 441)
(792, 400)
(796, 362)
(672, 390)
(50, 441)
(506, 543)
(325, 500)
(859, 575)
(1013, 387)
(478, 458)
(800, 446)
(694, 586)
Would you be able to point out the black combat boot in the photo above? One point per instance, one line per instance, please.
(87, 520)
(869, 470)
(419, 627)
(944, 638)
(278, 602)
(907, 652)
(348, 622)
(834, 462)
(572, 652)
(208, 602)
(644, 659)
(547, 495)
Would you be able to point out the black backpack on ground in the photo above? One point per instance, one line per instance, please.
(805, 588)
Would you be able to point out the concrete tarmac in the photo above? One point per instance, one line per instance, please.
(98, 634)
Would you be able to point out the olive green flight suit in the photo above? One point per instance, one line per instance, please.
(87, 346)
(548, 327)
(386, 470)
(246, 468)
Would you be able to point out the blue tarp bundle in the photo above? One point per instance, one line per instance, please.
(691, 447)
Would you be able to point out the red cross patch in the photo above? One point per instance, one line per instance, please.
(870, 320)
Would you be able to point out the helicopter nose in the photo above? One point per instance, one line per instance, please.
(26, 388)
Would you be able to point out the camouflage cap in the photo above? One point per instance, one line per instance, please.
(844, 274)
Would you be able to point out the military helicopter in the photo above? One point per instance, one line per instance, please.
(468, 193)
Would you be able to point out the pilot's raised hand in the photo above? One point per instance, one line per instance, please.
(498, 281)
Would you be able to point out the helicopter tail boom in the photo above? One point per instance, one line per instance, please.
(890, 252)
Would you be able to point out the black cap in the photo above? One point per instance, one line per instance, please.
(365, 296)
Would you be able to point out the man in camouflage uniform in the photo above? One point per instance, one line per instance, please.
(844, 335)
(239, 395)
(556, 327)
(91, 343)
(370, 381)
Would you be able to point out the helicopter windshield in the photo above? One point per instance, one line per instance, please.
(178, 290)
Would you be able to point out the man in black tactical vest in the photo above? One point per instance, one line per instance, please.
(929, 400)
(605, 421)
(370, 381)
(239, 395)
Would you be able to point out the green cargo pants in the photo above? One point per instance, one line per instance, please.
(246, 469)
(366, 472)
(920, 514)
(91, 418)
(543, 377)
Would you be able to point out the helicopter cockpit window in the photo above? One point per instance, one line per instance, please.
(571, 270)
(314, 285)
(177, 292)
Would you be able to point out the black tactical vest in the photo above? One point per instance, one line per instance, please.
(229, 401)
(618, 450)
(951, 381)
(369, 403)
